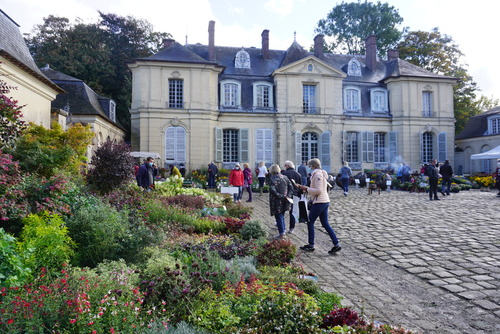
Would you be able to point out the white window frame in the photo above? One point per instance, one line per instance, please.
(427, 145)
(175, 96)
(353, 152)
(378, 100)
(354, 68)
(310, 145)
(242, 59)
(352, 99)
(494, 125)
(380, 147)
(112, 110)
(258, 102)
(231, 102)
(309, 101)
(175, 144)
(427, 103)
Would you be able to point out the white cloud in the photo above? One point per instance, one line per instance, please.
(280, 7)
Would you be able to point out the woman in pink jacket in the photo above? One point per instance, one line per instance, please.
(318, 192)
(236, 179)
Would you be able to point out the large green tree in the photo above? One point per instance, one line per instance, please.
(96, 53)
(350, 23)
(438, 53)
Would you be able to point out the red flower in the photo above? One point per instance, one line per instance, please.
(10, 321)
(72, 321)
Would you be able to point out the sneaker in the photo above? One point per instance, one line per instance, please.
(279, 236)
(307, 248)
(335, 249)
(436, 199)
(290, 231)
(345, 194)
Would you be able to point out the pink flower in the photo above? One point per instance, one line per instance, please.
(72, 321)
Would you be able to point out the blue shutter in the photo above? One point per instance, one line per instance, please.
(367, 144)
(325, 152)
(243, 145)
(442, 146)
(218, 145)
(393, 146)
(298, 148)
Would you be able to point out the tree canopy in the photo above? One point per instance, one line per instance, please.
(349, 24)
(96, 53)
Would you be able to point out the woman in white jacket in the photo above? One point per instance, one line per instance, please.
(320, 202)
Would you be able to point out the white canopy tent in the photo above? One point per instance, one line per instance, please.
(491, 154)
(145, 155)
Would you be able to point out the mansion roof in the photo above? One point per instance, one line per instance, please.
(477, 126)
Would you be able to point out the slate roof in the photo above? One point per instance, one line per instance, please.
(477, 126)
(78, 97)
(13, 48)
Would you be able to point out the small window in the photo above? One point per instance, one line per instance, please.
(230, 94)
(427, 104)
(242, 59)
(310, 67)
(494, 126)
(352, 99)
(112, 110)
(378, 100)
(354, 68)
(263, 96)
(175, 94)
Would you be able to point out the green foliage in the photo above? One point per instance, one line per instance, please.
(155, 262)
(47, 151)
(47, 237)
(253, 230)
(238, 210)
(350, 23)
(112, 167)
(277, 253)
(289, 274)
(327, 301)
(96, 53)
(13, 203)
(159, 327)
(11, 125)
(245, 265)
(173, 187)
(13, 268)
(101, 233)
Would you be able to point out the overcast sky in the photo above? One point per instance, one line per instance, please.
(471, 24)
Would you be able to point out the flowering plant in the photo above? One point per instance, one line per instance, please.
(483, 181)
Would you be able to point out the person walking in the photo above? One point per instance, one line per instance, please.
(496, 177)
(261, 175)
(446, 172)
(296, 180)
(247, 180)
(146, 174)
(319, 208)
(345, 177)
(236, 179)
(280, 194)
(432, 173)
(302, 170)
(212, 174)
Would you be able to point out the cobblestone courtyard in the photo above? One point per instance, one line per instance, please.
(429, 266)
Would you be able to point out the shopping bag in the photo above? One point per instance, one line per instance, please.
(303, 212)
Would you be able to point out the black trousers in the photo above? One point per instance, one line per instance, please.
(433, 184)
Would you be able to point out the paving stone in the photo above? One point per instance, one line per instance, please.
(472, 294)
(487, 304)
(453, 287)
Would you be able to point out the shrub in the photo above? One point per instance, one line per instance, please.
(112, 167)
(47, 237)
(11, 124)
(157, 260)
(340, 317)
(101, 233)
(238, 210)
(160, 327)
(13, 268)
(327, 301)
(253, 230)
(186, 201)
(289, 274)
(277, 253)
(44, 151)
(13, 204)
(245, 265)
(227, 246)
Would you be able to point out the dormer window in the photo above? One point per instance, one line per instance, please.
(242, 59)
(112, 110)
(354, 68)
(494, 125)
(352, 99)
(378, 100)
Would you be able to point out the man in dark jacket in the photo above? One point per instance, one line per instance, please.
(432, 173)
(212, 174)
(296, 179)
(146, 175)
(446, 172)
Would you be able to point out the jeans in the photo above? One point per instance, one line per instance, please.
(304, 180)
(211, 181)
(261, 181)
(320, 210)
(446, 183)
(280, 222)
(345, 184)
(237, 196)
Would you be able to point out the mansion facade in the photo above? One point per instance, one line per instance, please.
(196, 103)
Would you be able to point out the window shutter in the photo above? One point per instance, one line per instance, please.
(367, 144)
(344, 144)
(268, 145)
(393, 146)
(298, 147)
(259, 145)
(170, 144)
(243, 144)
(218, 145)
(422, 159)
(181, 144)
(442, 146)
(325, 152)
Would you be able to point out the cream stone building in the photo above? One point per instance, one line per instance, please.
(83, 105)
(33, 90)
(200, 103)
(480, 134)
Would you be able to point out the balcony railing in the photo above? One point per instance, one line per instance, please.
(311, 110)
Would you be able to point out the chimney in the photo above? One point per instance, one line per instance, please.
(392, 54)
(211, 40)
(265, 44)
(318, 46)
(167, 42)
(371, 52)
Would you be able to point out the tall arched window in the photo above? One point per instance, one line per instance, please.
(309, 146)
(427, 147)
(175, 144)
